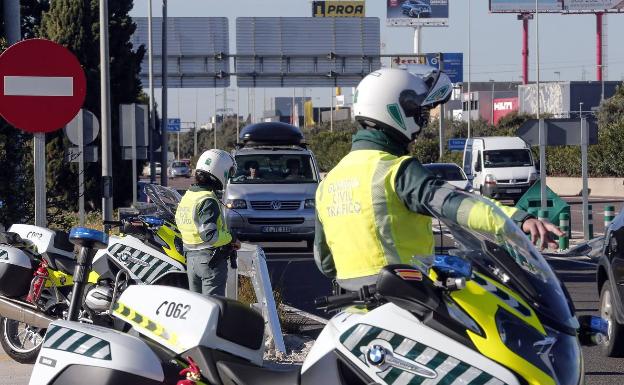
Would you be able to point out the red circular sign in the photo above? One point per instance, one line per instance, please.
(42, 85)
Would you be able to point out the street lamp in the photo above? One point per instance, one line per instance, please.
(492, 99)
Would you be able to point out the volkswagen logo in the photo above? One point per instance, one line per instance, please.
(276, 205)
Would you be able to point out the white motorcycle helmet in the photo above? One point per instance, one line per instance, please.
(219, 164)
(398, 102)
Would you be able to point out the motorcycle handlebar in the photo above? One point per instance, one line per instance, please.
(365, 294)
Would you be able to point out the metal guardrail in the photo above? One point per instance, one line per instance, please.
(251, 263)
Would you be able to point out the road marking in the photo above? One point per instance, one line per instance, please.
(38, 86)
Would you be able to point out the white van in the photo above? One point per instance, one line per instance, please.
(500, 167)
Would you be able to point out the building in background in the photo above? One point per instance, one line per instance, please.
(481, 105)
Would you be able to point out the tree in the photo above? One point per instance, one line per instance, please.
(75, 24)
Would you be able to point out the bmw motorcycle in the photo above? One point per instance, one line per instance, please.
(36, 267)
(488, 311)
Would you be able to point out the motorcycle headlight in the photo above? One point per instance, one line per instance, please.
(236, 204)
(309, 204)
(556, 354)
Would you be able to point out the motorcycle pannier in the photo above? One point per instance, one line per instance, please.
(16, 272)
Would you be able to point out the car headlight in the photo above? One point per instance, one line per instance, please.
(556, 354)
(309, 204)
(532, 177)
(490, 179)
(236, 204)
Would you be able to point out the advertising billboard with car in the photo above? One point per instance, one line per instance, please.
(431, 13)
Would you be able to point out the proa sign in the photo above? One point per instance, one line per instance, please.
(338, 8)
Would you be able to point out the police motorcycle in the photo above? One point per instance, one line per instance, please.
(36, 266)
(488, 311)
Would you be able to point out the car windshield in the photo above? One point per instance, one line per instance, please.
(178, 164)
(499, 249)
(446, 172)
(507, 158)
(274, 168)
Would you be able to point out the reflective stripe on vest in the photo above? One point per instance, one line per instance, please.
(186, 220)
(365, 223)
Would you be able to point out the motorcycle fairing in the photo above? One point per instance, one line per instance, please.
(481, 299)
(414, 362)
(142, 262)
(73, 345)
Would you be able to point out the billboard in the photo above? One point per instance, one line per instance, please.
(502, 107)
(431, 13)
(338, 9)
(593, 5)
(525, 6)
(453, 63)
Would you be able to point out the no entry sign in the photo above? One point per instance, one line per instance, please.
(42, 85)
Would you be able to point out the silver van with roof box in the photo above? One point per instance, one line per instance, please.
(271, 197)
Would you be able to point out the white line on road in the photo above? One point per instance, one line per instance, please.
(38, 86)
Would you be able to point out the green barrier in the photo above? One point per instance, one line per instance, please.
(531, 202)
(609, 214)
(564, 225)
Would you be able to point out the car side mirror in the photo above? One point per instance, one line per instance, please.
(477, 167)
(593, 330)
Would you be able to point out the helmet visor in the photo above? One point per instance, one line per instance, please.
(411, 102)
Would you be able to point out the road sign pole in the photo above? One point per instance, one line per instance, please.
(81, 208)
(152, 105)
(164, 144)
(584, 145)
(441, 118)
(542, 155)
(107, 198)
(134, 156)
(40, 179)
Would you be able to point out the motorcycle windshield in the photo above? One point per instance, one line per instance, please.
(165, 199)
(477, 230)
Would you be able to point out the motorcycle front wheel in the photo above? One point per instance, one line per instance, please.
(20, 341)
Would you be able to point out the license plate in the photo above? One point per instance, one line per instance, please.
(276, 229)
(514, 191)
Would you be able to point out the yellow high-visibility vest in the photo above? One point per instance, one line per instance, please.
(187, 223)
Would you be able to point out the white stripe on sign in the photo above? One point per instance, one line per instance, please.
(38, 86)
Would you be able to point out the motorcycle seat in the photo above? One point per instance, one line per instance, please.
(239, 323)
(60, 262)
(247, 374)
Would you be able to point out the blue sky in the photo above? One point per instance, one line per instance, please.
(567, 44)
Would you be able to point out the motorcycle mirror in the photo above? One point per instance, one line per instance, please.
(593, 330)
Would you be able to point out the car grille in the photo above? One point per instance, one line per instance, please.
(275, 221)
(508, 181)
(271, 205)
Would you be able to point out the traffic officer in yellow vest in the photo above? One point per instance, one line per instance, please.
(207, 241)
(371, 206)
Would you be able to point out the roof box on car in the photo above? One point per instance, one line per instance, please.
(271, 133)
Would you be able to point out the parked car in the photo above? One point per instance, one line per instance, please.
(271, 197)
(416, 8)
(609, 278)
(499, 167)
(147, 170)
(452, 173)
(179, 168)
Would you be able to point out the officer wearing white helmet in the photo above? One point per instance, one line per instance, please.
(371, 207)
(207, 241)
